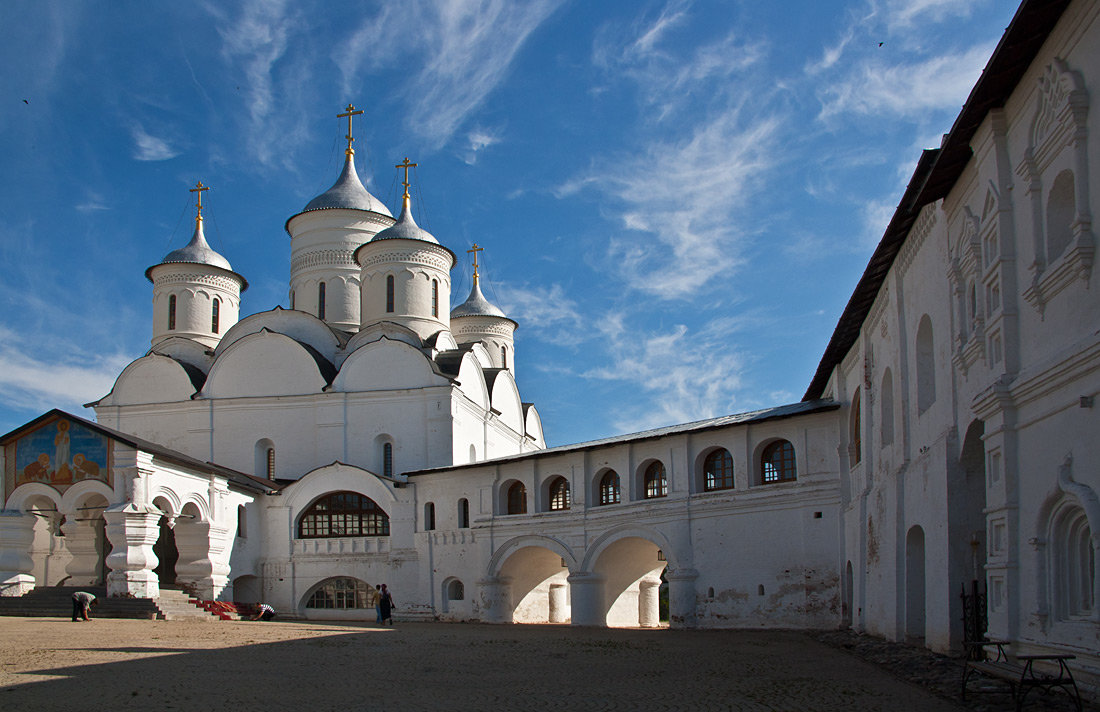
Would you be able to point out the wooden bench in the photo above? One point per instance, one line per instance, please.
(1021, 676)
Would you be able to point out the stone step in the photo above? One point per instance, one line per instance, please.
(56, 601)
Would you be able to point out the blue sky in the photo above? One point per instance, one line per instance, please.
(676, 198)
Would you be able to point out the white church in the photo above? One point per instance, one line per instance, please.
(372, 434)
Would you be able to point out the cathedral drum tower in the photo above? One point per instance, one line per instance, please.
(406, 274)
(479, 320)
(324, 278)
(196, 293)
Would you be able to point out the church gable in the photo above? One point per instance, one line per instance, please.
(57, 451)
(297, 325)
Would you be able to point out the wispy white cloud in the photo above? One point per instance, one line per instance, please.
(150, 148)
(687, 375)
(477, 141)
(903, 14)
(876, 86)
(466, 49)
(93, 202)
(547, 310)
(39, 383)
(256, 43)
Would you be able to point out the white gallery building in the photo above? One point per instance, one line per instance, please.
(370, 433)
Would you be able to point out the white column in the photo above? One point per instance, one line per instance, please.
(16, 564)
(496, 600)
(132, 530)
(586, 592)
(649, 608)
(559, 608)
(681, 597)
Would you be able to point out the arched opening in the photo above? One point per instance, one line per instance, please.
(966, 526)
(341, 598)
(515, 498)
(343, 514)
(215, 315)
(558, 491)
(718, 470)
(429, 516)
(454, 596)
(1074, 564)
(610, 488)
(389, 294)
(321, 300)
(631, 570)
(536, 589)
(248, 589)
(165, 549)
(926, 365)
(504, 357)
(655, 481)
(914, 584)
(435, 298)
(264, 459)
(387, 459)
(777, 463)
(463, 513)
(171, 312)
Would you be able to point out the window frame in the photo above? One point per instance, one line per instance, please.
(611, 490)
(358, 517)
(712, 482)
(656, 475)
(768, 464)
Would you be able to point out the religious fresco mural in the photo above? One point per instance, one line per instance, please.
(61, 452)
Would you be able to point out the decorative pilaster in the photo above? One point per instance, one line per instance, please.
(16, 565)
(132, 530)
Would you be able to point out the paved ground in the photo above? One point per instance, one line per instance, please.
(54, 664)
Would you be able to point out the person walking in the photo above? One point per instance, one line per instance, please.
(82, 601)
(385, 605)
(378, 604)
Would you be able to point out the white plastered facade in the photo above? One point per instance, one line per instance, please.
(951, 440)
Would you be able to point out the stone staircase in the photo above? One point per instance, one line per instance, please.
(56, 601)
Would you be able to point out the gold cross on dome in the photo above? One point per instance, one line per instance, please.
(406, 165)
(476, 250)
(199, 188)
(350, 112)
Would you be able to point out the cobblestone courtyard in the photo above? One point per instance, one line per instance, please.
(53, 664)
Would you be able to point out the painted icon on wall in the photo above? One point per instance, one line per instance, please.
(61, 452)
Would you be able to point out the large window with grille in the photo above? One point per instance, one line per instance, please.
(656, 481)
(517, 499)
(342, 593)
(777, 463)
(343, 514)
(718, 471)
(559, 494)
(610, 490)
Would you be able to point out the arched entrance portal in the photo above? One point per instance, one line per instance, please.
(166, 552)
(535, 588)
(48, 551)
(968, 538)
(630, 570)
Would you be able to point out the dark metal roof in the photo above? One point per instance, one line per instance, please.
(939, 169)
(241, 479)
(756, 416)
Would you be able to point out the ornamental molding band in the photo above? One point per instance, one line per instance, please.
(438, 258)
(923, 226)
(229, 297)
(323, 258)
(497, 328)
(227, 284)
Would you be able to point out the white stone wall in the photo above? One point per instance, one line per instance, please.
(1015, 350)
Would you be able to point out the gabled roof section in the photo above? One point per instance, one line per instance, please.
(939, 169)
(756, 416)
(245, 481)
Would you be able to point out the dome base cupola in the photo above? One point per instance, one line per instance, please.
(479, 320)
